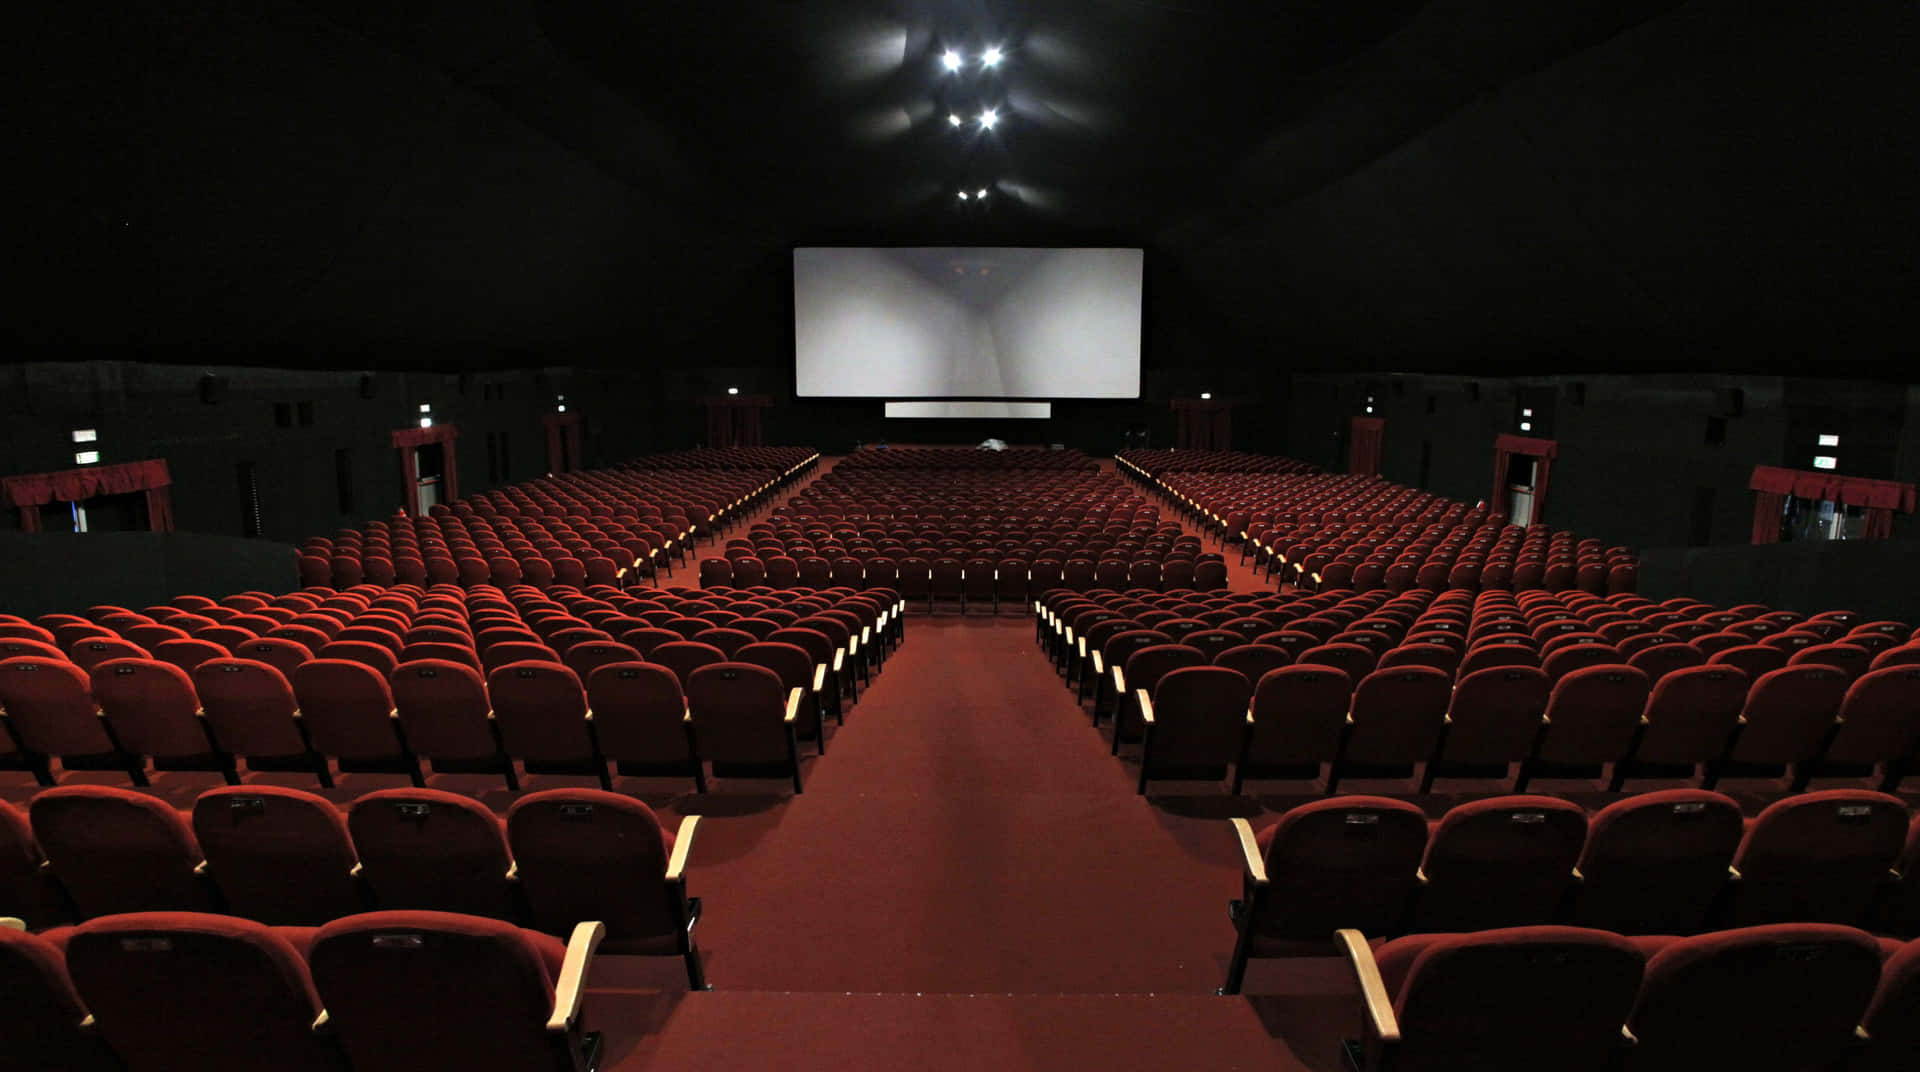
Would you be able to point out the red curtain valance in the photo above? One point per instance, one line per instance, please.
(1846, 490)
(75, 485)
(420, 437)
(1528, 445)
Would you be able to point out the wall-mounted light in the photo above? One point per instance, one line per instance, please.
(86, 457)
(426, 422)
(1825, 461)
(1206, 396)
(89, 435)
(1825, 440)
(426, 407)
(733, 390)
(1526, 426)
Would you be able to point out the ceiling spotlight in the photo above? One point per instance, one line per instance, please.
(953, 119)
(733, 390)
(982, 195)
(951, 60)
(963, 195)
(988, 118)
(991, 58)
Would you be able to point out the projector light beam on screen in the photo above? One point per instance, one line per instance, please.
(967, 323)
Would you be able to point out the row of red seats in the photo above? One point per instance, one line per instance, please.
(389, 991)
(654, 682)
(1155, 462)
(1674, 862)
(1362, 532)
(1371, 686)
(981, 580)
(1782, 998)
(287, 858)
(596, 527)
(965, 458)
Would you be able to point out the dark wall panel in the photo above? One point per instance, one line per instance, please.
(50, 573)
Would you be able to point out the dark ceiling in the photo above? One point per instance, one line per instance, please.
(1487, 185)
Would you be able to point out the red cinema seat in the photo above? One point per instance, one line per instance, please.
(427, 849)
(116, 851)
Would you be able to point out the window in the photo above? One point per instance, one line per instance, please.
(304, 414)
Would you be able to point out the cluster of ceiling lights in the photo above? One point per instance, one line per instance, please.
(955, 62)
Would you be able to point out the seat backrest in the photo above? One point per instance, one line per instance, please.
(43, 1012)
(541, 710)
(1398, 714)
(1593, 713)
(443, 709)
(1654, 863)
(250, 707)
(1347, 862)
(584, 854)
(684, 657)
(1789, 713)
(1299, 714)
(1892, 1021)
(279, 856)
(1200, 714)
(116, 850)
(1786, 996)
(490, 983)
(1253, 660)
(738, 712)
(347, 707)
(190, 990)
(1502, 862)
(1818, 857)
(49, 707)
(1515, 998)
(1691, 714)
(1879, 718)
(151, 707)
(428, 849)
(1495, 714)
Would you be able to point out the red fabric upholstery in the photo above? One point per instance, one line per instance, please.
(427, 849)
(43, 1012)
(116, 850)
(1817, 857)
(189, 990)
(1348, 862)
(1654, 863)
(413, 990)
(587, 855)
(1776, 997)
(279, 856)
(1503, 862)
(1521, 998)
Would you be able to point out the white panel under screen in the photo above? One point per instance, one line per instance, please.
(972, 410)
(936, 322)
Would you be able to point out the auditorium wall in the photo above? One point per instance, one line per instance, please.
(1647, 461)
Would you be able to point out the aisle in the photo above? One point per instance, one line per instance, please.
(967, 831)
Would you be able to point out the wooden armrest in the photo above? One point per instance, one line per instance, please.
(13, 924)
(1081, 646)
(1373, 991)
(1119, 680)
(793, 704)
(358, 870)
(819, 676)
(839, 656)
(571, 988)
(1146, 706)
(866, 634)
(1099, 667)
(682, 847)
(688, 716)
(201, 869)
(1250, 848)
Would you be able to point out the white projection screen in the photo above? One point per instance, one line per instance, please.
(925, 322)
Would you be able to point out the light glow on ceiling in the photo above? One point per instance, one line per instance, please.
(950, 60)
(988, 118)
(991, 59)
